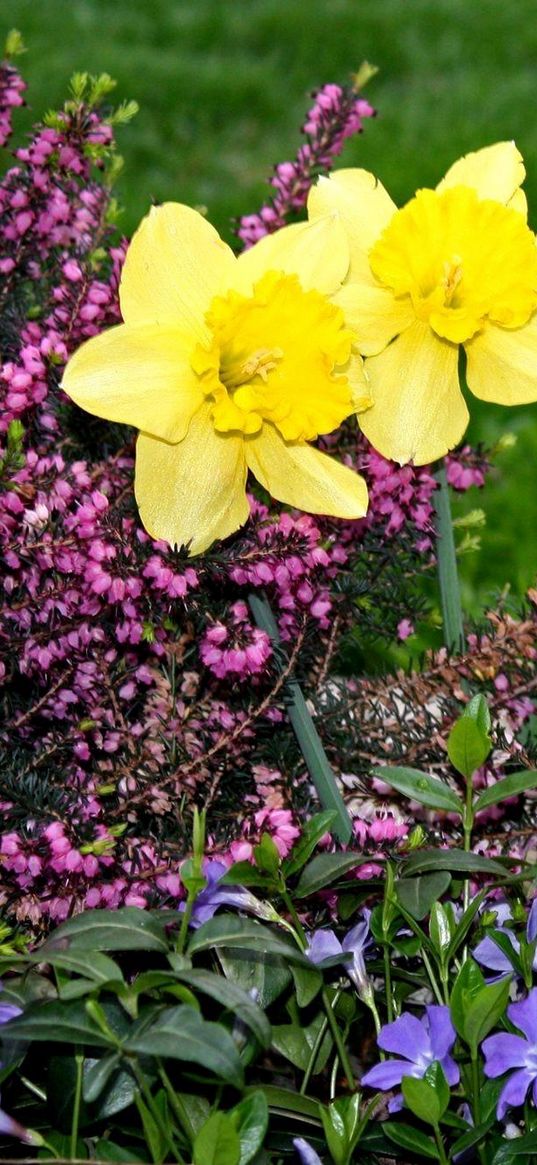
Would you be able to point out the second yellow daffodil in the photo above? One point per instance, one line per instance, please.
(456, 266)
(227, 364)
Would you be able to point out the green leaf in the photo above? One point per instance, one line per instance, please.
(313, 831)
(228, 930)
(452, 859)
(435, 1076)
(411, 1139)
(421, 1098)
(477, 710)
(420, 787)
(468, 746)
(464, 924)
(308, 982)
(251, 1118)
(156, 1143)
(232, 997)
(510, 786)
(418, 895)
(466, 988)
(99, 968)
(284, 1102)
(267, 856)
(341, 1123)
(439, 928)
(97, 1074)
(268, 978)
(511, 1150)
(217, 1142)
(476, 1006)
(485, 1011)
(108, 1151)
(325, 869)
(296, 1041)
(244, 874)
(117, 1095)
(180, 1033)
(126, 929)
(56, 1022)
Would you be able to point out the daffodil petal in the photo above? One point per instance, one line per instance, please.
(359, 384)
(175, 264)
(317, 252)
(365, 208)
(502, 364)
(138, 376)
(419, 411)
(193, 492)
(301, 476)
(374, 314)
(519, 202)
(494, 172)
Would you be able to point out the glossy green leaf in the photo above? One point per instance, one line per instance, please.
(156, 1142)
(452, 859)
(468, 746)
(251, 1117)
(295, 1042)
(126, 929)
(466, 988)
(313, 831)
(229, 930)
(97, 1074)
(465, 922)
(439, 928)
(100, 967)
(517, 1150)
(268, 978)
(422, 1100)
(217, 1142)
(284, 1102)
(308, 982)
(477, 709)
(180, 1033)
(325, 869)
(417, 895)
(421, 787)
(232, 997)
(106, 1150)
(414, 1141)
(510, 786)
(485, 1010)
(56, 1022)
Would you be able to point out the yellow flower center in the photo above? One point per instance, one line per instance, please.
(277, 355)
(461, 259)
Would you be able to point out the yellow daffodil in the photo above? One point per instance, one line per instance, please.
(226, 364)
(456, 266)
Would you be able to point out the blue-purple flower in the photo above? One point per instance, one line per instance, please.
(420, 1042)
(506, 1051)
(324, 944)
(307, 1155)
(490, 955)
(214, 895)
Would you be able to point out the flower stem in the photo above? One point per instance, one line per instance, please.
(308, 738)
(440, 1146)
(79, 1061)
(338, 1040)
(448, 575)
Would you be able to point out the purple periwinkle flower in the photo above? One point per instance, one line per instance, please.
(505, 1051)
(421, 1042)
(306, 1154)
(490, 955)
(214, 895)
(8, 1124)
(324, 944)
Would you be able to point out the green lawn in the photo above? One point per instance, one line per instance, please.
(222, 87)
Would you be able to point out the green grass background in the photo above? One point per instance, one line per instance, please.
(222, 87)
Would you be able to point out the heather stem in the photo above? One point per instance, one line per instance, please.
(308, 738)
(448, 575)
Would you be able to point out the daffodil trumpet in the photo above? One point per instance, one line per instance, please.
(226, 365)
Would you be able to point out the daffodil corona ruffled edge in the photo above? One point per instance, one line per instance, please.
(455, 266)
(227, 364)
